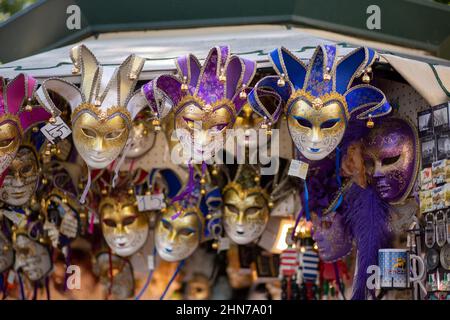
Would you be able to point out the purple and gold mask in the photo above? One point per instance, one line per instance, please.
(17, 115)
(333, 239)
(392, 159)
(204, 99)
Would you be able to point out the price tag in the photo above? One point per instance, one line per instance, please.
(298, 169)
(224, 244)
(151, 262)
(151, 202)
(55, 132)
(15, 217)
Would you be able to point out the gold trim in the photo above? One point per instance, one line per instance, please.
(102, 115)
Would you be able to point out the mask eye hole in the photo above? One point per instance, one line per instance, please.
(218, 127)
(166, 224)
(189, 122)
(128, 220)
(110, 223)
(390, 160)
(114, 134)
(329, 123)
(252, 211)
(186, 232)
(6, 143)
(232, 208)
(26, 169)
(303, 122)
(89, 132)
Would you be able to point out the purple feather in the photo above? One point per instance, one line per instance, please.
(366, 214)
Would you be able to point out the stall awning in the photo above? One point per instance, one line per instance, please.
(428, 75)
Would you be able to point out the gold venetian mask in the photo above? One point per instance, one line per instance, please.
(99, 138)
(201, 128)
(178, 233)
(21, 178)
(248, 121)
(246, 212)
(144, 137)
(9, 143)
(125, 228)
(316, 125)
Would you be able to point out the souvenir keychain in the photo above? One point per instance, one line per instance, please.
(441, 234)
(430, 236)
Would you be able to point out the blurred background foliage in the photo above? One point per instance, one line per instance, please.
(9, 7)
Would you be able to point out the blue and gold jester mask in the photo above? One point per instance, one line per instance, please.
(319, 99)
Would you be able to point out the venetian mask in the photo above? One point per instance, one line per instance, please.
(102, 109)
(319, 99)
(21, 178)
(124, 228)
(6, 253)
(198, 288)
(32, 258)
(16, 117)
(122, 282)
(178, 232)
(246, 212)
(317, 126)
(204, 100)
(332, 237)
(250, 122)
(143, 139)
(392, 159)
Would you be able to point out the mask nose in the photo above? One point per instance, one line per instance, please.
(378, 173)
(172, 237)
(119, 229)
(202, 137)
(315, 134)
(98, 146)
(241, 217)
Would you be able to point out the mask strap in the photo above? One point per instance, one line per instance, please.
(86, 188)
(22, 291)
(47, 287)
(111, 277)
(338, 178)
(120, 162)
(180, 265)
(338, 279)
(147, 282)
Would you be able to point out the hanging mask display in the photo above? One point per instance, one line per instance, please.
(17, 115)
(116, 275)
(248, 200)
(321, 98)
(21, 179)
(391, 153)
(124, 228)
(102, 109)
(6, 253)
(248, 121)
(204, 100)
(246, 206)
(191, 217)
(333, 239)
(198, 288)
(32, 255)
(144, 137)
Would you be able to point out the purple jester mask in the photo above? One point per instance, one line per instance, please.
(391, 158)
(332, 237)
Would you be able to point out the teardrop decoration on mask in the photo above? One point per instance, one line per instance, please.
(281, 82)
(222, 76)
(184, 86)
(327, 75)
(366, 77)
(29, 107)
(370, 123)
(243, 94)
